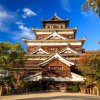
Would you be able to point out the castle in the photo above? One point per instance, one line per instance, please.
(53, 55)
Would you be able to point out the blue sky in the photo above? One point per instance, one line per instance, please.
(17, 17)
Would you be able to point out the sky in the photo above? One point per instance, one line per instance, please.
(18, 17)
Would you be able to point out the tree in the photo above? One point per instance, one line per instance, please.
(11, 56)
(93, 5)
(89, 65)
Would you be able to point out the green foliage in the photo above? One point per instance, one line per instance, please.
(10, 54)
(94, 5)
(89, 65)
(75, 88)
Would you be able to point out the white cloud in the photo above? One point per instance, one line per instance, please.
(28, 13)
(65, 5)
(24, 31)
(19, 23)
(8, 18)
(4, 17)
(4, 14)
(3, 27)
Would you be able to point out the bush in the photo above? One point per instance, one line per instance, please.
(75, 88)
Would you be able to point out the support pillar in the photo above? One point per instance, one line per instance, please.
(98, 92)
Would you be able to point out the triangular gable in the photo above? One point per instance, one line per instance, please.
(39, 51)
(55, 17)
(56, 56)
(68, 50)
(54, 35)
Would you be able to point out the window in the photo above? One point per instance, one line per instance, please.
(48, 26)
(55, 67)
(61, 26)
(43, 26)
(69, 36)
(55, 26)
(40, 37)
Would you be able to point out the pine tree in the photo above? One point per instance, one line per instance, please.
(93, 5)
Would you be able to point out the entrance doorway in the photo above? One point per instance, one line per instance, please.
(50, 86)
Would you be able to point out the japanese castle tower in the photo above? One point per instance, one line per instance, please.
(53, 55)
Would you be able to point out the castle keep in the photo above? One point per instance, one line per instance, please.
(52, 56)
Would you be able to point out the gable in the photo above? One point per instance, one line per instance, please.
(39, 51)
(55, 17)
(56, 56)
(59, 64)
(53, 36)
(68, 50)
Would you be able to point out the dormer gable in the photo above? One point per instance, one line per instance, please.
(55, 17)
(56, 56)
(54, 36)
(39, 51)
(68, 50)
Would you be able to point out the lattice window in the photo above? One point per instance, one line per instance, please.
(55, 67)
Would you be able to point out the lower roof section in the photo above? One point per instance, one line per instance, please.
(28, 68)
(54, 42)
(38, 77)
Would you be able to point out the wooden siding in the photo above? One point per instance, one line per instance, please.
(60, 69)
